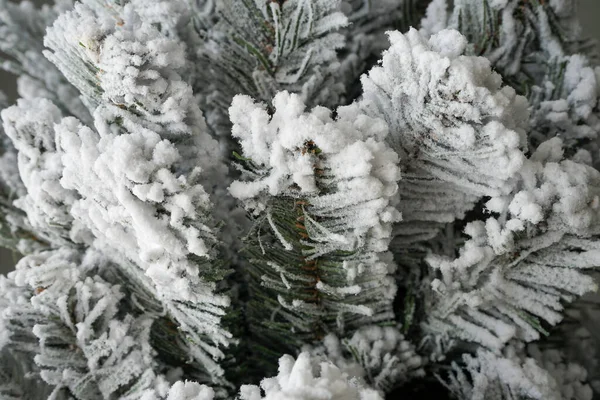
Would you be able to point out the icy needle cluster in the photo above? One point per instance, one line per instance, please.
(322, 190)
(457, 130)
(299, 200)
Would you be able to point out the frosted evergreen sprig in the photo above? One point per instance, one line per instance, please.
(85, 342)
(30, 126)
(490, 376)
(510, 33)
(440, 222)
(517, 270)
(320, 190)
(288, 46)
(565, 105)
(499, 297)
(520, 372)
(308, 378)
(536, 47)
(140, 100)
(459, 133)
(380, 356)
(14, 226)
(22, 29)
(259, 48)
(152, 200)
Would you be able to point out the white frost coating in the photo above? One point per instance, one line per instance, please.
(308, 379)
(149, 206)
(458, 132)
(12, 298)
(169, 15)
(565, 104)
(140, 175)
(342, 176)
(521, 32)
(524, 267)
(570, 377)
(286, 245)
(30, 126)
(78, 318)
(122, 195)
(436, 18)
(133, 66)
(138, 207)
(190, 391)
(9, 170)
(139, 69)
(562, 193)
(301, 60)
(502, 294)
(535, 46)
(362, 168)
(131, 178)
(74, 41)
(180, 390)
(492, 376)
(378, 355)
(22, 27)
(387, 357)
(13, 221)
(507, 51)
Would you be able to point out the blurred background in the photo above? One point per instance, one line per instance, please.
(589, 14)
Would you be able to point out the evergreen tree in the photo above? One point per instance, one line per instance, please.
(299, 199)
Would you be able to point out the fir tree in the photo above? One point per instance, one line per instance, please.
(299, 199)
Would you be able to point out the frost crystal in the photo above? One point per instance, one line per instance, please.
(30, 126)
(496, 378)
(22, 29)
(308, 379)
(379, 355)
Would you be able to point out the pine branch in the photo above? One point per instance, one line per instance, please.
(519, 373)
(113, 186)
(510, 34)
(565, 105)
(381, 356)
(521, 268)
(320, 191)
(84, 342)
(458, 133)
(46, 203)
(15, 230)
(502, 378)
(22, 28)
(535, 46)
(143, 107)
(303, 378)
(259, 48)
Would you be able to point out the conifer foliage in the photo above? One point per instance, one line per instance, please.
(299, 200)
